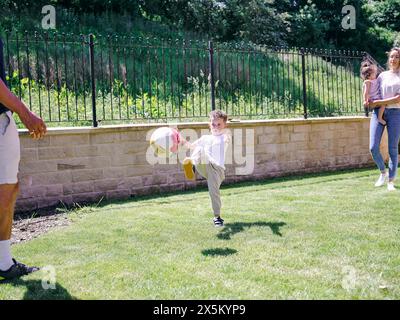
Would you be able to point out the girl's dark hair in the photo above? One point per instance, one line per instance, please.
(367, 69)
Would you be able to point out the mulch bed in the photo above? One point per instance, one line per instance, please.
(26, 228)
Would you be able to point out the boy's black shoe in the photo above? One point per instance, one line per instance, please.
(218, 222)
(16, 270)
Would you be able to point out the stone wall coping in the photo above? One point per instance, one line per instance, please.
(193, 125)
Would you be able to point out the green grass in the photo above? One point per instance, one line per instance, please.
(289, 238)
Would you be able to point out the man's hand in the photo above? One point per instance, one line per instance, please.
(35, 125)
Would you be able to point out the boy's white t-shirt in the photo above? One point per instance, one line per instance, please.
(215, 147)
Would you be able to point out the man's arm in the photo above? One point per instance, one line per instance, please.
(33, 123)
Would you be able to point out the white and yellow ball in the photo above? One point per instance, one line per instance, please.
(165, 141)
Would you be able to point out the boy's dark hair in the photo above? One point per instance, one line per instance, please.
(219, 114)
(367, 69)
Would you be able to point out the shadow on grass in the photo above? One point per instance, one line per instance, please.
(219, 252)
(35, 290)
(231, 229)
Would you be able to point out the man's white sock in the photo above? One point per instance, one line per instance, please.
(5, 255)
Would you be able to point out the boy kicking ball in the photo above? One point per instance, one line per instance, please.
(208, 159)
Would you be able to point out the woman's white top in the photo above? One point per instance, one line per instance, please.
(390, 86)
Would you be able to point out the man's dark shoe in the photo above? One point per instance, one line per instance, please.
(16, 270)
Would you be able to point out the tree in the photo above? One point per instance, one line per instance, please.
(385, 14)
(308, 28)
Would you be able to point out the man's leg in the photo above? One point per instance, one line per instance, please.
(8, 197)
(9, 268)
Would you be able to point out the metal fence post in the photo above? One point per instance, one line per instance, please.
(303, 72)
(93, 80)
(212, 80)
(2, 69)
(367, 58)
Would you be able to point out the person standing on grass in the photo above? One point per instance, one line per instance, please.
(208, 159)
(389, 82)
(9, 162)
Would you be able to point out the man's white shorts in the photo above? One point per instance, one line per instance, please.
(9, 149)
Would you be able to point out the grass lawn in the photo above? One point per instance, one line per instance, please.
(325, 236)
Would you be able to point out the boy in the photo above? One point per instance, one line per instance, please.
(208, 158)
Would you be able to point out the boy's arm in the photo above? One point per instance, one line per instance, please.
(228, 138)
(33, 123)
(186, 144)
(189, 145)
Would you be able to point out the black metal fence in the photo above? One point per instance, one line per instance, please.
(81, 80)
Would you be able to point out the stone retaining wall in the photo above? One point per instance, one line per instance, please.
(76, 165)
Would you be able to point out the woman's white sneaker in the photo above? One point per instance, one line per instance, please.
(390, 186)
(381, 180)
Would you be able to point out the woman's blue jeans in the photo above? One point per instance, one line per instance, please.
(392, 118)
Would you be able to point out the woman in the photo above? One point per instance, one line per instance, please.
(389, 83)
